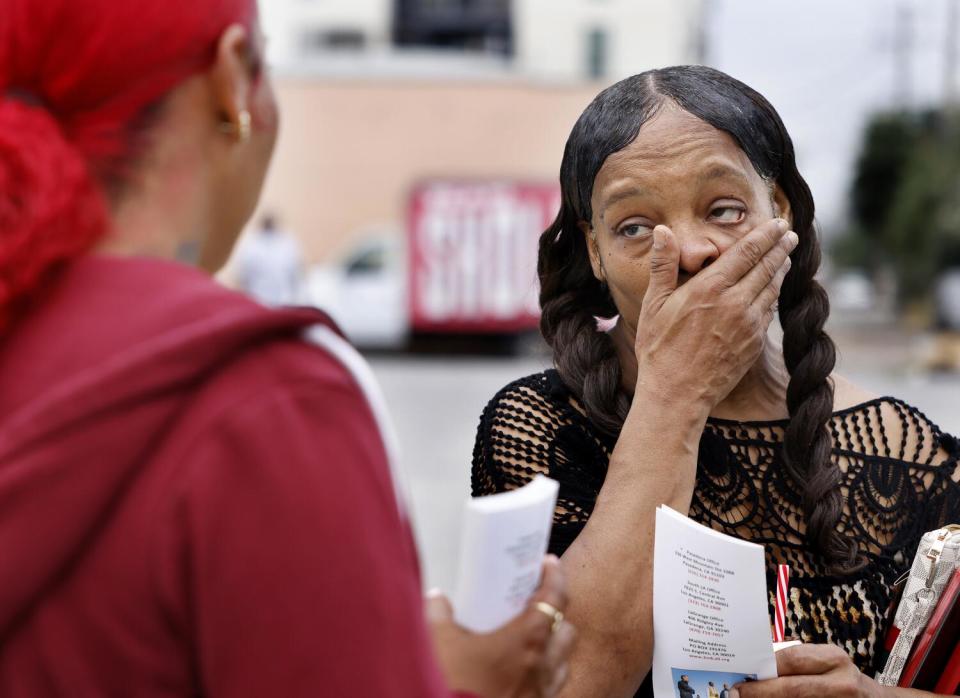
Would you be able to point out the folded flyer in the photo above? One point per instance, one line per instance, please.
(504, 540)
(710, 621)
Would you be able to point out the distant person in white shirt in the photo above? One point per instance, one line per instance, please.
(270, 264)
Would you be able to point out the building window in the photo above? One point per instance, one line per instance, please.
(482, 26)
(334, 40)
(597, 53)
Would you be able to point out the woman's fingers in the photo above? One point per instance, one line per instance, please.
(664, 268)
(558, 654)
(789, 687)
(553, 591)
(739, 260)
(769, 295)
(809, 670)
(758, 279)
(438, 607)
(805, 660)
(553, 586)
(545, 608)
(560, 679)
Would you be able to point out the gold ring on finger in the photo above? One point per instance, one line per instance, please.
(552, 613)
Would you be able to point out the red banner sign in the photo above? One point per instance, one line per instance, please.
(473, 254)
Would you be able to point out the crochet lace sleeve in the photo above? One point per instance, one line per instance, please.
(887, 432)
(525, 431)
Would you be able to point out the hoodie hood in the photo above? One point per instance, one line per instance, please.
(117, 347)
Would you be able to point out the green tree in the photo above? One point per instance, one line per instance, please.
(905, 199)
(888, 142)
(922, 230)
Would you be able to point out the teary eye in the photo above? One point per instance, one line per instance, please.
(728, 214)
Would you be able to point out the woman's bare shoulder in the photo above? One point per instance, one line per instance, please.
(847, 394)
(888, 426)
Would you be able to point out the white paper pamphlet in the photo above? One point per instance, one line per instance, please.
(504, 540)
(710, 620)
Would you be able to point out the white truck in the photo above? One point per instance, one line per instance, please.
(463, 268)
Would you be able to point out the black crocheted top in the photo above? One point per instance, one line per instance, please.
(901, 476)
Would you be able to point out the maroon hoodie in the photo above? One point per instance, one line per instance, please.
(194, 501)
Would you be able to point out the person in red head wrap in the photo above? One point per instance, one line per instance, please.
(194, 498)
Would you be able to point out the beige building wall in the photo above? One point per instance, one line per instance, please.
(350, 150)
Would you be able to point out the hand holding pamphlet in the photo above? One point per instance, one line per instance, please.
(504, 541)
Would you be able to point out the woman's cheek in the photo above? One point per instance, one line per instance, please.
(750, 222)
(267, 110)
(628, 285)
(632, 248)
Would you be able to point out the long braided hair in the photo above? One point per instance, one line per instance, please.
(571, 297)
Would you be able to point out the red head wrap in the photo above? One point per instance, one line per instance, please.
(74, 78)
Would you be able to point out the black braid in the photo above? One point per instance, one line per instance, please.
(810, 357)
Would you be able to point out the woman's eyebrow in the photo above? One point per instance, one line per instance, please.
(719, 171)
(620, 196)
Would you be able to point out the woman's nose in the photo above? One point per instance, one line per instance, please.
(697, 249)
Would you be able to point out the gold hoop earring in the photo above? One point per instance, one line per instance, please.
(243, 129)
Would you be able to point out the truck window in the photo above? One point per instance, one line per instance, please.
(368, 262)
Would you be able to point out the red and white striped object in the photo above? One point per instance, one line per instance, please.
(780, 612)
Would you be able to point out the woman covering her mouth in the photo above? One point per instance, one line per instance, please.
(684, 219)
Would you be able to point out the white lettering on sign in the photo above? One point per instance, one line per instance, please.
(475, 252)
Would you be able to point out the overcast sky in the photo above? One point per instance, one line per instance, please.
(826, 65)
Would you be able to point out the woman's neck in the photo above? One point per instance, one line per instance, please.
(157, 223)
(167, 207)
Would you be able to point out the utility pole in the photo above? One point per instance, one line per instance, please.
(903, 55)
(704, 13)
(950, 56)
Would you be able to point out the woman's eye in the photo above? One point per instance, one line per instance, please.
(635, 230)
(728, 214)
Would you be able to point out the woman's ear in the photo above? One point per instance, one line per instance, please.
(590, 239)
(781, 205)
(231, 78)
